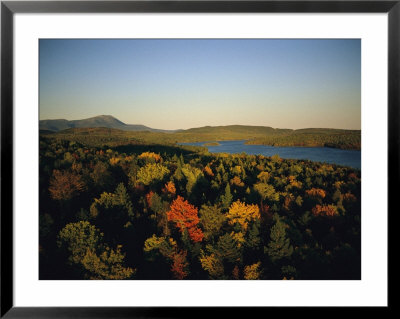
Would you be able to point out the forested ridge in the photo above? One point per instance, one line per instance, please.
(343, 139)
(119, 206)
(263, 135)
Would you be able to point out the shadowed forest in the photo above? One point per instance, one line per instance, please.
(129, 205)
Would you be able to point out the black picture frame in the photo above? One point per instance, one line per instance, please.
(9, 8)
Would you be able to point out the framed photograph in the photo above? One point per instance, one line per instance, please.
(162, 155)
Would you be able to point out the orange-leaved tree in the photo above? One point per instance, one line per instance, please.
(151, 156)
(185, 216)
(325, 210)
(316, 193)
(170, 188)
(65, 185)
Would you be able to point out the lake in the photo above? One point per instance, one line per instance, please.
(350, 158)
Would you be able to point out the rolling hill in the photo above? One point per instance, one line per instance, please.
(107, 121)
(109, 130)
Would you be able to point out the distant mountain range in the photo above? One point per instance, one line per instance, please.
(107, 121)
(114, 129)
(212, 132)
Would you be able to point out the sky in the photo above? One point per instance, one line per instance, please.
(180, 84)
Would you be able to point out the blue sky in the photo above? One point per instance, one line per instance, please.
(173, 84)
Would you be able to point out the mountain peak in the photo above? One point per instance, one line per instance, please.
(107, 121)
(106, 117)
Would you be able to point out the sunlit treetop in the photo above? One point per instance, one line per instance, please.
(242, 214)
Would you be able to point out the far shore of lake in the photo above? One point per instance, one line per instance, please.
(351, 158)
(211, 144)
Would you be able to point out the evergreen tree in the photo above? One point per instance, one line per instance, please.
(226, 199)
(211, 219)
(253, 238)
(279, 247)
(227, 249)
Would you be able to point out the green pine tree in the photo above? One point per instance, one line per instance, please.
(226, 199)
(227, 249)
(253, 239)
(279, 247)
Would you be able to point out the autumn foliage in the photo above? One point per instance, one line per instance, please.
(237, 181)
(170, 188)
(185, 217)
(252, 272)
(150, 155)
(242, 213)
(179, 265)
(316, 193)
(116, 208)
(325, 210)
(208, 171)
(64, 185)
(149, 196)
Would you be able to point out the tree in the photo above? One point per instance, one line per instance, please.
(179, 267)
(77, 238)
(236, 272)
(154, 247)
(161, 245)
(112, 210)
(279, 246)
(267, 191)
(325, 210)
(155, 202)
(293, 183)
(242, 214)
(65, 185)
(253, 237)
(107, 265)
(238, 237)
(208, 171)
(227, 249)
(185, 217)
(85, 244)
(288, 202)
(236, 181)
(212, 264)
(252, 272)
(211, 219)
(192, 175)
(152, 172)
(226, 199)
(169, 188)
(299, 201)
(263, 177)
(101, 176)
(316, 193)
(150, 156)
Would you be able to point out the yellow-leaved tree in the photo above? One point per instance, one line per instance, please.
(213, 265)
(106, 265)
(152, 172)
(252, 272)
(242, 214)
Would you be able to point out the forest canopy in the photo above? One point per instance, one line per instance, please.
(262, 135)
(115, 206)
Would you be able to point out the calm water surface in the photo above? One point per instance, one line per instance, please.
(350, 158)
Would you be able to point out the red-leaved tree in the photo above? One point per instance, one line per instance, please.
(179, 265)
(185, 216)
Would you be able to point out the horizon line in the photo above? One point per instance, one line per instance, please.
(180, 129)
